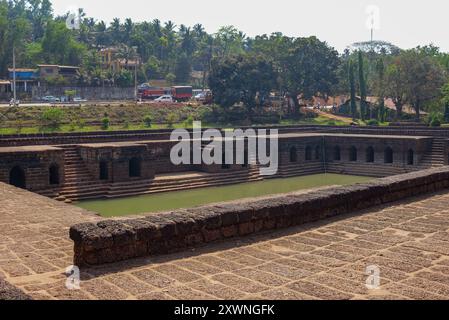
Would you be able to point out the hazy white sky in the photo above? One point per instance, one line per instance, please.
(339, 22)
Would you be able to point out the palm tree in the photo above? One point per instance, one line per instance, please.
(116, 30)
(198, 30)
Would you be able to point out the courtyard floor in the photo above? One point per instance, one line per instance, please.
(408, 241)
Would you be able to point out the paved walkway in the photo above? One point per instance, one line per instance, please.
(409, 242)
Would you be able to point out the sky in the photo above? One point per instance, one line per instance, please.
(405, 23)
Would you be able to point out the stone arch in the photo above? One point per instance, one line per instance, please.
(370, 154)
(103, 170)
(337, 153)
(135, 168)
(317, 152)
(410, 157)
(353, 154)
(53, 174)
(293, 154)
(388, 155)
(308, 153)
(17, 177)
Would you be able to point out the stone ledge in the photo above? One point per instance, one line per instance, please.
(117, 240)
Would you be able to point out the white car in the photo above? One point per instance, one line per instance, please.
(200, 96)
(165, 98)
(79, 99)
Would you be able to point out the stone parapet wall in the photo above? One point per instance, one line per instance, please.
(101, 136)
(120, 239)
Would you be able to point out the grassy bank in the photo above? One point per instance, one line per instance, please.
(44, 119)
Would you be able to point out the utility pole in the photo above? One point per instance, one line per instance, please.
(14, 75)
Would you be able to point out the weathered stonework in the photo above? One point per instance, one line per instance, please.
(97, 170)
(35, 163)
(117, 240)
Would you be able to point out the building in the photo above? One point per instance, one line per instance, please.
(51, 71)
(110, 60)
(25, 79)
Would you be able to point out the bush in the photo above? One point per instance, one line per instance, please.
(171, 119)
(148, 121)
(126, 124)
(105, 123)
(52, 118)
(435, 122)
(72, 125)
(372, 122)
(188, 122)
(81, 123)
(435, 119)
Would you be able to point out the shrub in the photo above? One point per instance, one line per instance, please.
(105, 123)
(148, 121)
(372, 122)
(435, 119)
(72, 125)
(171, 119)
(52, 117)
(126, 124)
(81, 123)
(435, 122)
(188, 122)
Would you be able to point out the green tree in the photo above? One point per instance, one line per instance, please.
(395, 85)
(352, 90)
(59, 45)
(309, 68)
(380, 88)
(241, 79)
(183, 69)
(229, 41)
(445, 101)
(423, 79)
(365, 110)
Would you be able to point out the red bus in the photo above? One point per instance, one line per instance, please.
(182, 93)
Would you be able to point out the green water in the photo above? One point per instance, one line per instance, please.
(197, 197)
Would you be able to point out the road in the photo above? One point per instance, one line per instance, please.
(333, 116)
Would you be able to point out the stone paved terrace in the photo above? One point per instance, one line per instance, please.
(409, 241)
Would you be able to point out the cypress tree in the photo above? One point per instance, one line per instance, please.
(352, 88)
(381, 72)
(364, 109)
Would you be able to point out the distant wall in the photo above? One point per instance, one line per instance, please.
(89, 93)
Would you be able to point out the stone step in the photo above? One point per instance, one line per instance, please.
(80, 183)
(182, 187)
(82, 194)
(154, 184)
(78, 175)
(84, 189)
(71, 171)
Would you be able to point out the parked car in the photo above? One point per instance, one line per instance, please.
(201, 96)
(79, 99)
(164, 98)
(50, 99)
